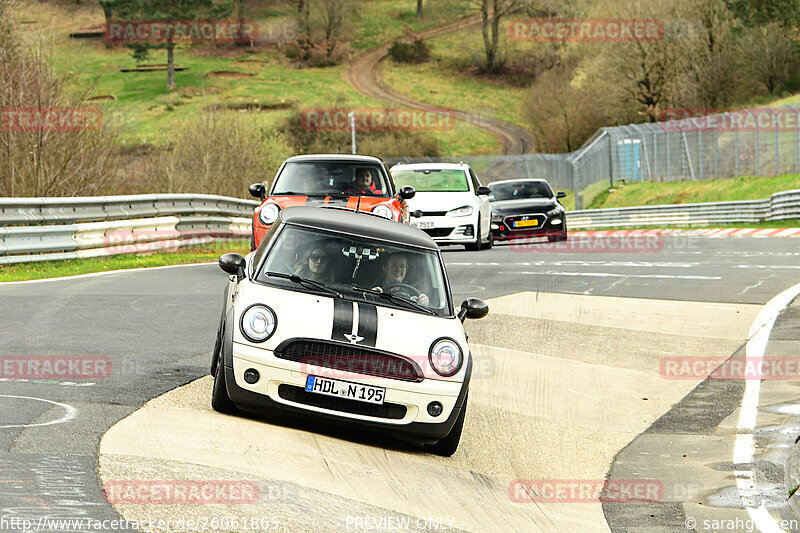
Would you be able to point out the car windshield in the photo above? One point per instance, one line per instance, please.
(432, 180)
(518, 190)
(357, 268)
(332, 178)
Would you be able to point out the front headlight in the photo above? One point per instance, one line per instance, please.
(258, 323)
(383, 211)
(461, 211)
(445, 357)
(268, 214)
(554, 212)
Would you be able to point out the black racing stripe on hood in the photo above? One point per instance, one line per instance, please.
(367, 324)
(342, 320)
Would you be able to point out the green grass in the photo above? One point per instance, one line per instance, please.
(684, 192)
(790, 223)
(73, 267)
(439, 82)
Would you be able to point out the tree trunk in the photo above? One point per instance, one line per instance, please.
(487, 46)
(170, 66)
(419, 8)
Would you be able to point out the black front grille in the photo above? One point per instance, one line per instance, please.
(300, 395)
(438, 232)
(349, 358)
(434, 213)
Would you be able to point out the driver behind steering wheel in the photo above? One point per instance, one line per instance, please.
(394, 272)
(364, 184)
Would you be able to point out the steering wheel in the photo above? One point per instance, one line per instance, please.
(402, 289)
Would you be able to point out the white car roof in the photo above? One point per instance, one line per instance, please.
(432, 166)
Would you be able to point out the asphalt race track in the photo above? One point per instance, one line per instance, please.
(570, 384)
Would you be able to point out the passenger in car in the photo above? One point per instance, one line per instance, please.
(393, 273)
(313, 264)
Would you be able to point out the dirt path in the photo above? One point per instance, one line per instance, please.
(365, 77)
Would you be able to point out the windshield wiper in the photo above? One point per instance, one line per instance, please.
(394, 298)
(294, 278)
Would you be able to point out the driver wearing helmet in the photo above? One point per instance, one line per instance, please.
(364, 183)
(394, 272)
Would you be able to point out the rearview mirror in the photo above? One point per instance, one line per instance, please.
(233, 264)
(407, 192)
(482, 191)
(473, 308)
(561, 194)
(258, 190)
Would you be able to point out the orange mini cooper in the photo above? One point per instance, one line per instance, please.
(354, 182)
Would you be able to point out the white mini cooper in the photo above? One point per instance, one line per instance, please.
(347, 318)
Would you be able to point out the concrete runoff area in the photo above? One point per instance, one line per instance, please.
(546, 403)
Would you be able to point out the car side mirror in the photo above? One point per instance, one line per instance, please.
(482, 191)
(416, 214)
(473, 308)
(561, 194)
(258, 190)
(407, 192)
(233, 264)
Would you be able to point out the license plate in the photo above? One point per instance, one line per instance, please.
(525, 223)
(345, 389)
(422, 225)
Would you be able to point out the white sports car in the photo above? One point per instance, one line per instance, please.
(348, 318)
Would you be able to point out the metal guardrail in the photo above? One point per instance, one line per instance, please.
(41, 229)
(780, 206)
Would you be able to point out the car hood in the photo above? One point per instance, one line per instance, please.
(440, 201)
(316, 317)
(342, 201)
(530, 205)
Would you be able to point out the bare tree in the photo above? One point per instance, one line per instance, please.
(492, 13)
(419, 8)
(768, 55)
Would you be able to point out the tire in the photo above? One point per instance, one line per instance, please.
(557, 238)
(474, 247)
(489, 242)
(448, 445)
(220, 401)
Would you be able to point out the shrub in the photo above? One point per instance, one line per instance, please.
(417, 51)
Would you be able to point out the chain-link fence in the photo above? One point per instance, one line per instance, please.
(690, 145)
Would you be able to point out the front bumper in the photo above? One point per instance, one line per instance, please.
(502, 230)
(281, 388)
(449, 230)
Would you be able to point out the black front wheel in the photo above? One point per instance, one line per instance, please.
(474, 247)
(448, 445)
(220, 401)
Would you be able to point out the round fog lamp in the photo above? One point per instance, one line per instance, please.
(435, 408)
(251, 376)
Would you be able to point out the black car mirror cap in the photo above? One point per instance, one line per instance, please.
(561, 194)
(233, 264)
(484, 191)
(258, 190)
(473, 308)
(407, 192)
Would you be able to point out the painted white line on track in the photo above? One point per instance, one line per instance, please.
(743, 449)
(608, 275)
(96, 274)
(68, 415)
